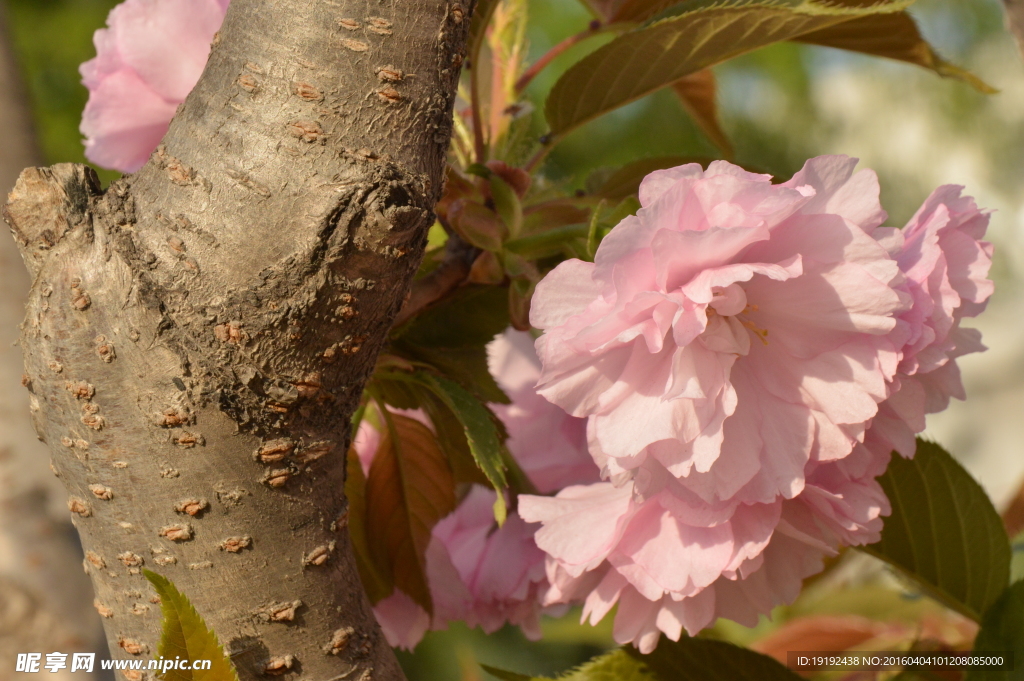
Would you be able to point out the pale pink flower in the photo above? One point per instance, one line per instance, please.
(730, 332)
(946, 267)
(672, 566)
(729, 346)
(147, 61)
(404, 622)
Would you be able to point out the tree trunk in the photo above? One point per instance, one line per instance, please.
(198, 335)
(45, 599)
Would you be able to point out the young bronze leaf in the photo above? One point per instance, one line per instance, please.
(691, 37)
(1013, 513)
(451, 437)
(696, 659)
(944, 532)
(697, 92)
(482, 435)
(408, 490)
(376, 577)
(1002, 632)
(186, 636)
(894, 36)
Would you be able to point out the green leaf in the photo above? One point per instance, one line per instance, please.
(520, 297)
(451, 436)
(473, 315)
(544, 216)
(466, 365)
(482, 433)
(690, 37)
(507, 675)
(398, 394)
(698, 94)
(643, 10)
(943, 532)
(1002, 631)
(507, 204)
(617, 665)
(640, 10)
(546, 243)
(1017, 561)
(377, 579)
(894, 36)
(691, 659)
(451, 337)
(698, 659)
(408, 490)
(186, 635)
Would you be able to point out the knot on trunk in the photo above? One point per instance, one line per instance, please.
(46, 204)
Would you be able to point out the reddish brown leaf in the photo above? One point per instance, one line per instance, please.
(818, 633)
(409, 488)
(477, 224)
(894, 36)
(1013, 515)
(1015, 20)
(376, 578)
(697, 92)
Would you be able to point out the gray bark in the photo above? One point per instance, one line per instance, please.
(45, 599)
(198, 335)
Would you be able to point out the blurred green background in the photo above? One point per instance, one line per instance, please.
(779, 106)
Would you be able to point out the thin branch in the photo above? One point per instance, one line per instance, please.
(547, 144)
(448, 276)
(593, 29)
(474, 101)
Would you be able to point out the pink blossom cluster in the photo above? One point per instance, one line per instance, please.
(747, 356)
(477, 572)
(147, 61)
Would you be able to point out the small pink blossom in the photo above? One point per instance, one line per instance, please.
(147, 61)
(501, 567)
(946, 267)
(549, 445)
(729, 345)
